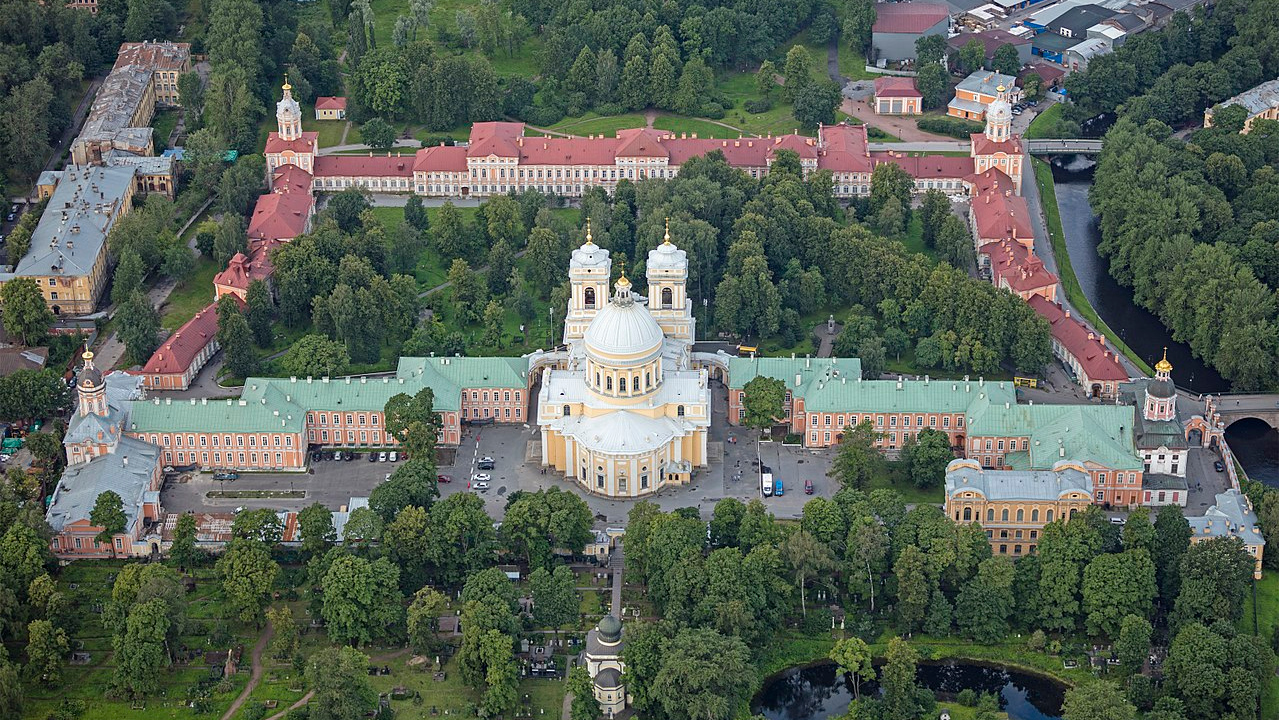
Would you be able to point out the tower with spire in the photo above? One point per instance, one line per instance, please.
(290, 144)
(668, 302)
(1161, 394)
(997, 148)
(589, 271)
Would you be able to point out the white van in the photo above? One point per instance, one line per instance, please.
(766, 481)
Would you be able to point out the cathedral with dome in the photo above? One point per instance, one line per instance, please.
(622, 410)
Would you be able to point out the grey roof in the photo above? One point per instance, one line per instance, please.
(49, 177)
(127, 471)
(1232, 516)
(1055, 43)
(1151, 434)
(116, 104)
(1091, 48)
(1128, 21)
(986, 82)
(1258, 99)
(1160, 481)
(145, 164)
(1079, 19)
(962, 475)
(70, 234)
(608, 679)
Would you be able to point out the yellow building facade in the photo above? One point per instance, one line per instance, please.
(1013, 506)
(622, 411)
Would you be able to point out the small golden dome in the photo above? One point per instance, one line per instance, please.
(1163, 366)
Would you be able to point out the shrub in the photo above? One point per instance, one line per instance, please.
(610, 109)
(758, 106)
(967, 697)
(1037, 641)
(954, 127)
(714, 111)
(542, 116)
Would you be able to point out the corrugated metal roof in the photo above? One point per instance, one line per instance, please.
(1052, 484)
(269, 413)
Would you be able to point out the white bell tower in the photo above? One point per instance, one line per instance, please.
(668, 303)
(588, 275)
(289, 114)
(999, 116)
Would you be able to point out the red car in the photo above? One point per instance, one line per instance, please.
(444, 478)
(808, 487)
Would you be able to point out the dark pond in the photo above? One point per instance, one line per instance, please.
(816, 692)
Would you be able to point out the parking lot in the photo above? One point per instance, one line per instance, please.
(516, 455)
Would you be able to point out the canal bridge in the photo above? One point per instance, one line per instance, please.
(1063, 146)
(1232, 407)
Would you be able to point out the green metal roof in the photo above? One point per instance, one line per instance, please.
(1101, 434)
(835, 385)
(468, 372)
(242, 415)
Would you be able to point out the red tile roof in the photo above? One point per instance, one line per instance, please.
(179, 351)
(1087, 348)
(330, 103)
(983, 145)
(282, 214)
(1001, 215)
(241, 270)
(891, 86)
(364, 166)
(441, 158)
(928, 166)
(908, 17)
(305, 144)
(844, 148)
(1023, 271)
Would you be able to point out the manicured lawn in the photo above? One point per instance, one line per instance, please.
(852, 64)
(191, 296)
(593, 124)
(163, 124)
(703, 128)
(1070, 283)
(1266, 611)
(330, 130)
(1044, 122)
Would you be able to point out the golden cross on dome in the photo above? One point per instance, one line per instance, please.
(668, 232)
(588, 230)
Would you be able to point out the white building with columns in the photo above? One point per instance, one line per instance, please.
(622, 410)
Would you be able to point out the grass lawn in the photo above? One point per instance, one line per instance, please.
(1070, 283)
(191, 296)
(896, 479)
(1044, 122)
(330, 130)
(163, 124)
(593, 124)
(703, 128)
(1266, 611)
(852, 64)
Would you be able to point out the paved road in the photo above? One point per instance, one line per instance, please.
(923, 147)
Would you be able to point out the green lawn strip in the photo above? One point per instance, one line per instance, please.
(691, 126)
(1044, 122)
(330, 130)
(1266, 612)
(1070, 283)
(852, 64)
(162, 125)
(593, 124)
(191, 296)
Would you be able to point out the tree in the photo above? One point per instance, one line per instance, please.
(807, 557)
(316, 356)
(26, 316)
(914, 589)
(816, 102)
(468, 289)
(581, 77)
(580, 686)
(694, 84)
(853, 656)
(362, 600)
(766, 78)
(555, 598)
(607, 74)
(258, 312)
(763, 399)
(236, 338)
(897, 680)
(1215, 575)
(857, 460)
(347, 207)
(363, 525)
(32, 394)
(261, 525)
(1116, 585)
(1133, 643)
(501, 673)
(285, 636)
(415, 214)
(940, 615)
(108, 514)
(986, 601)
(972, 55)
(340, 680)
(47, 646)
(1006, 60)
(928, 457)
(183, 551)
(494, 313)
(178, 263)
(247, 572)
(231, 238)
(1101, 700)
(413, 421)
(1139, 533)
(137, 324)
(140, 650)
(889, 181)
(1172, 539)
(423, 619)
(378, 134)
(930, 49)
(858, 22)
(703, 676)
(798, 71)
(413, 484)
(10, 689)
(932, 85)
(535, 524)
(316, 523)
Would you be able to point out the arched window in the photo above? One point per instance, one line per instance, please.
(968, 514)
(990, 514)
(1005, 515)
(667, 298)
(567, 411)
(621, 384)
(1049, 516)
(589, 297)
(679, 410)
(1034, 515)
(608, 383)
(1021, 515)
(648, 380)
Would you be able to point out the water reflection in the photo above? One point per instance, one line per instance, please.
(817, 692)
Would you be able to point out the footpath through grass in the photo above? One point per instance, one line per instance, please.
(1070, 283)
(1044, 122)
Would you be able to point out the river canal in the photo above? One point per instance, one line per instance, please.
(1255, 444)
